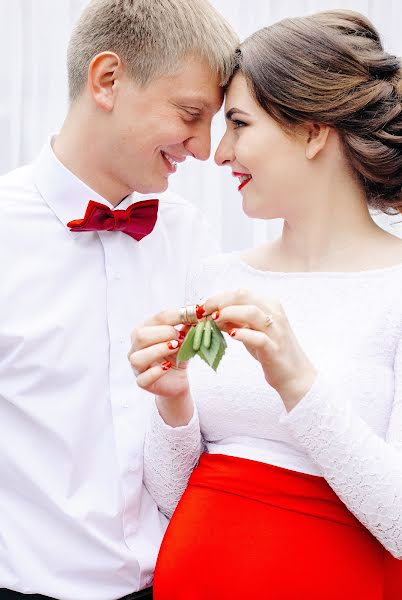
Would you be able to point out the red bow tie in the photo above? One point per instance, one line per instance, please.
(138, 220)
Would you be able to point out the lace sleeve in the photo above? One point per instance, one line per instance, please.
(363, 469)
(171, 453)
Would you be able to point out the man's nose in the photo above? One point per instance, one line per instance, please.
(199, 145)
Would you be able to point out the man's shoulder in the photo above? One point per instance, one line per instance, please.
(16, 187)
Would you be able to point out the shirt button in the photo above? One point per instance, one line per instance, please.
(149, 579)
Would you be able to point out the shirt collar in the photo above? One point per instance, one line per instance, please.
(64, 192)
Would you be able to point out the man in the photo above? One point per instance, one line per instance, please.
(145, 79)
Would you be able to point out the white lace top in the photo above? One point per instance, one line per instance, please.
(348, 427)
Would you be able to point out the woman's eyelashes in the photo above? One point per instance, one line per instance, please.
(237, 123)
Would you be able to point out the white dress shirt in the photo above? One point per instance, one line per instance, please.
(76, 522)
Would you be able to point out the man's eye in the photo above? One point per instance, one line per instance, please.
(238, 123)
(193, 115)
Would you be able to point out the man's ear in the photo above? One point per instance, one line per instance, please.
(316, 138)
(103, 73)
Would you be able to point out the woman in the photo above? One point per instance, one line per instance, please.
(299, 492)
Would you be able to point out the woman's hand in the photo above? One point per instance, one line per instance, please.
(153, 358)
(261, 324)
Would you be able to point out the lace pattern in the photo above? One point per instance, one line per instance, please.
(170, 455)
(364, 470)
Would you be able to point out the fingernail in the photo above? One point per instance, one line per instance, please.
(173, 344)
(166, 365)
(200, 311)
(215, 315)
(232, 332)
(182, 335)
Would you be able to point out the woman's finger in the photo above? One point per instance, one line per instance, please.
(141, 360)
(234, 298)
(254, 341)
(146, 336)
(148, 378)
(249, 316)
(171, 316)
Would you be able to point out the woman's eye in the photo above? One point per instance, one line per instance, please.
(238, 123)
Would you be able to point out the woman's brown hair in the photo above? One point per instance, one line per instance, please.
(331, 68)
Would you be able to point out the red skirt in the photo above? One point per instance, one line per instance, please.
(245, 529)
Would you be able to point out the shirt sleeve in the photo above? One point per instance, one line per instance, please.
(363, 469)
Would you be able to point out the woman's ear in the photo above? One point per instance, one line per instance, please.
(103, 73)
(316, 138)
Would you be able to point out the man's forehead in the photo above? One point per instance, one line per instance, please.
(209, 102)
(196, 83)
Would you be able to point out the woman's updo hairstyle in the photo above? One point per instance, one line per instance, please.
(331, 68)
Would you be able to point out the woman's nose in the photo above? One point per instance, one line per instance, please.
(224, 154)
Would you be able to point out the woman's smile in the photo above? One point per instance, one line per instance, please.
(244, 178)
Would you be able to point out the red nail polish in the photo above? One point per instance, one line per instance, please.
(215, 315)
(166, 365)
(200, 310)
(172, 345)
(182, 335)
(232, 332)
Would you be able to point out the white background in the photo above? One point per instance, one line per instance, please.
(33, 100)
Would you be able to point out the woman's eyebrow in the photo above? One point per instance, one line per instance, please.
(234, 110)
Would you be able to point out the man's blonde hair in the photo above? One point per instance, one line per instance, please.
(151, 37)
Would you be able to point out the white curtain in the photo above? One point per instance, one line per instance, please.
(33, 100)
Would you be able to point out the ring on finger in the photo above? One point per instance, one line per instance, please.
(188, 314)
(268, 321)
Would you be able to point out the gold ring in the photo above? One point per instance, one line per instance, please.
(188, 314)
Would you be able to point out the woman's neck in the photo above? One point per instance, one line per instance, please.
(336, 235)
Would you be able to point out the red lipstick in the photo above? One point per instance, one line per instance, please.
(245, 181)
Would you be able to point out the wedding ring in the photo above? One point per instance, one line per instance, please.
(188, 314)
(268, 321)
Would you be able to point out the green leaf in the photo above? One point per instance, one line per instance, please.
(186, 349)
(218, 357)
(219, 333)
(213, 355)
